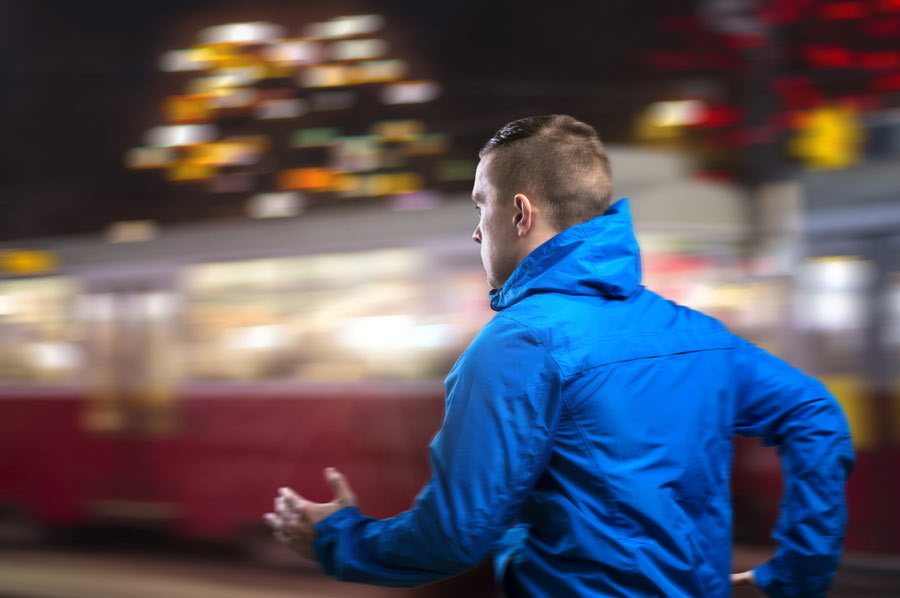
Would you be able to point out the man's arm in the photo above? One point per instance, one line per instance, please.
(502, 411)
(798, 415)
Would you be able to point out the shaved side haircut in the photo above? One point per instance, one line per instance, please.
(556, 160)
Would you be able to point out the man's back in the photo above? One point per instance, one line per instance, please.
(635, 498)
(638, 482)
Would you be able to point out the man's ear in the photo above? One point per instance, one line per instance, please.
(523, 218)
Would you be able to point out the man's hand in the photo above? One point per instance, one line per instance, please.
(294, 516)
(742, 579)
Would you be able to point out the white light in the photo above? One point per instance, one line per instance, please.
(345, 26)
(55, 356)
(836, 273)
(294, 52)
(375, 332)
(159, 305)
(358, 49)
(673, 114)
(7, 307)
(833, 311)
(430, 336)
(288, 108)
(275, 205)
(241, 33)
(410, 93)
(257, 337)
(177, 135)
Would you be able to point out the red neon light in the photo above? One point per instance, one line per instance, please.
(877, 61)
(828, 56)
(889, 5)
(786, 11)
(720, 116)
(840, 11)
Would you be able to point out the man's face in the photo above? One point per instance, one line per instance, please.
(496, 231)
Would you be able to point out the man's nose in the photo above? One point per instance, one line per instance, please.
(476, 236)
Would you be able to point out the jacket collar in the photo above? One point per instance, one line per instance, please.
(597, 257)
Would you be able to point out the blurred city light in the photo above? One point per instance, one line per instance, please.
(275, 205)
(346, 26)
(413, 92)
(177, 135)
(134, 231)
(237, 33)
(359, 49)
(671, 114)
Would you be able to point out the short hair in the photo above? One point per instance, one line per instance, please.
(557, 160)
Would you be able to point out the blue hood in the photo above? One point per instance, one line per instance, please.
(600, 256)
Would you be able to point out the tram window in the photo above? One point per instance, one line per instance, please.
(355, 316)
(40, 337)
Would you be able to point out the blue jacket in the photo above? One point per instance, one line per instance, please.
(587, 444)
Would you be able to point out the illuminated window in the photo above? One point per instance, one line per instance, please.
(380, 315)
(40, 338)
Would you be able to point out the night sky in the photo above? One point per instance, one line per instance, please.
(81, 86)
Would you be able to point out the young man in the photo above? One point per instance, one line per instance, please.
(586, 442)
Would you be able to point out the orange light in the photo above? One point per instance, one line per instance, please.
(319, 179)
(189, 108)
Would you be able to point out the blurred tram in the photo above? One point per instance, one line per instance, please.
(181, 380)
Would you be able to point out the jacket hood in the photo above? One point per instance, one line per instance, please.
(597, 257)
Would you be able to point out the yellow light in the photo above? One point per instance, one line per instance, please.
(829, 138)
(190, 171)
(26, 262)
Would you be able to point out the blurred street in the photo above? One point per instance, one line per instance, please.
(104, 573)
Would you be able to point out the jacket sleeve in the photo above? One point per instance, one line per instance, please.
(502, 409)
(798, 415)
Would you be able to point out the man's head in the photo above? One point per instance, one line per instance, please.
(537, 177)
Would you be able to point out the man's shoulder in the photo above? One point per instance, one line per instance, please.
(582, 332)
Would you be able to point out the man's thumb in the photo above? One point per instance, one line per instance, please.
(339, 486)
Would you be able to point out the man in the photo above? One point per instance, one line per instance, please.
(587, 437)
